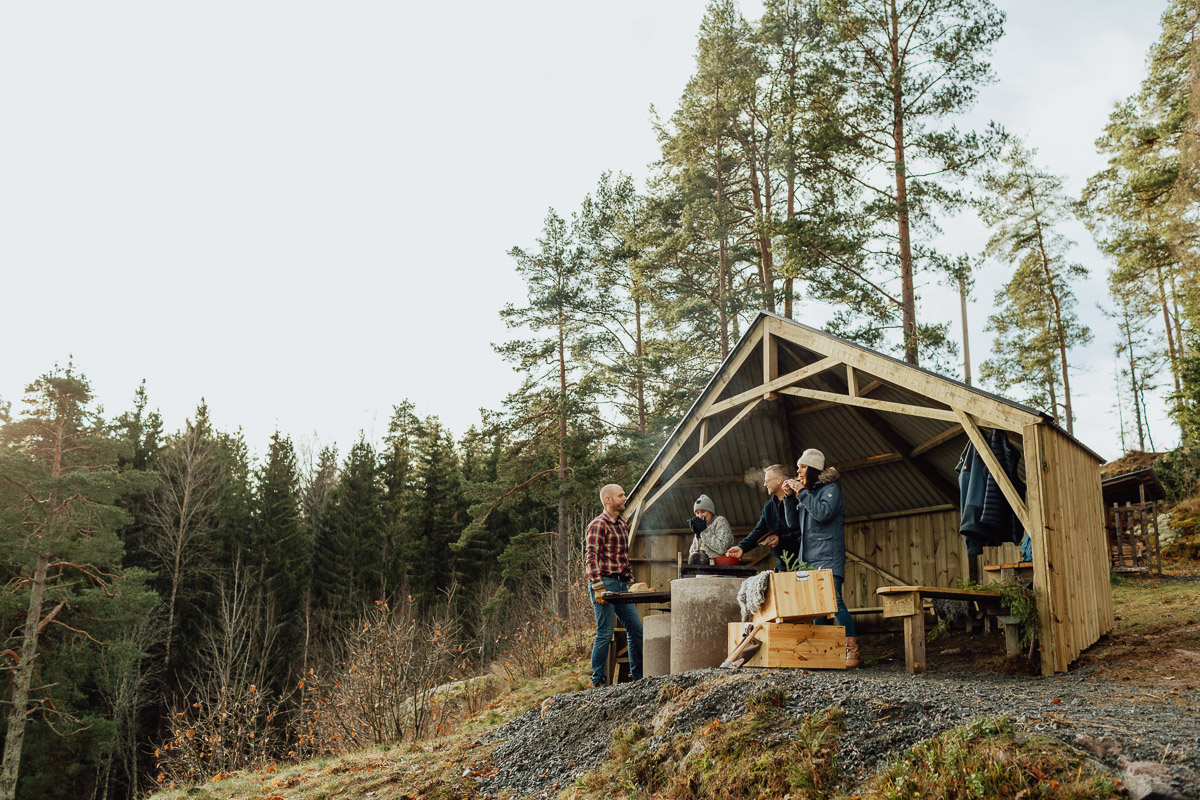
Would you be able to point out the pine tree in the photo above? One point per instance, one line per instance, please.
(59, 523)
(1035, 321)
(550, 403)
(706, 239)
(396, 474)
(348, 573)
(911, 68)
(1142, 206)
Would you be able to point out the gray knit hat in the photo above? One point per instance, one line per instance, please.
(813, 458)
(704, 503)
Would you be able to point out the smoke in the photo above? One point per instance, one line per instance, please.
(754, 475)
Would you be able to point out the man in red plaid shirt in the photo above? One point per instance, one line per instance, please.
(606, 559)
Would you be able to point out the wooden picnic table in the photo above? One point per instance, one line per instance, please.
(618, 598)
(1022, 572)
(905, 602)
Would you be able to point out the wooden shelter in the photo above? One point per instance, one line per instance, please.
(895, 432)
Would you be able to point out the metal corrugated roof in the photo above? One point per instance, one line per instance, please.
(774, 433)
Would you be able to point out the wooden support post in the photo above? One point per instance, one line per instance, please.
(851, 381)
(1012, 635)
(914, 643)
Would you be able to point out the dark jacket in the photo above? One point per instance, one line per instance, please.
(987, 518)
(820, 516)
(774, 520)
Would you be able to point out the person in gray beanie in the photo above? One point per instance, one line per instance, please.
(713, 536)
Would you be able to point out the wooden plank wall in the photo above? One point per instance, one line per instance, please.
(923, 549)
(1072, 575)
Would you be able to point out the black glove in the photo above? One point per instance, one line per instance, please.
(698, 525)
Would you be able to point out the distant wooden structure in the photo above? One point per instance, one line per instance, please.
(1131, 510)
(895, 432)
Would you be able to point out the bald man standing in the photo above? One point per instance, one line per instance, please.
(606, 560)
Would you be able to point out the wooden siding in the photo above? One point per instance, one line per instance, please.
(919, 549)
(1070, 548)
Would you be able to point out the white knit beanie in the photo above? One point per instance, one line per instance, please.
(704, 503)
(813, 458)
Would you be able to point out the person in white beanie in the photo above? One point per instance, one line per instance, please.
(820, 514)
(713, 535)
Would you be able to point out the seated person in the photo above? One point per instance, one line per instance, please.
(772, 529)
(713, 534)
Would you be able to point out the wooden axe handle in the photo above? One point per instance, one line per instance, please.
(742, 644)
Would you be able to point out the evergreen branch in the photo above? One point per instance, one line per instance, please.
(514, 490)
(91, 638)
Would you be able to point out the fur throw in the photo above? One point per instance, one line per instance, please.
(753, 593)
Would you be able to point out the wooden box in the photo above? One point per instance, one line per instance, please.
(798, 596)
(795, 645)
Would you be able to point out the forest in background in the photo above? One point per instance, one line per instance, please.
(176, 609)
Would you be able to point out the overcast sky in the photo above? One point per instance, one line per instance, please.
(301, 210)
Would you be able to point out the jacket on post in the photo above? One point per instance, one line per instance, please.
(820, 516)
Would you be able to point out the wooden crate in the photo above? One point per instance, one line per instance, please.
(798, 596)
(795, 645)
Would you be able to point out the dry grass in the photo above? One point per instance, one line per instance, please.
(1156, 639)
(768, 754)
(444, 767)
(990, 759)
(764, 753)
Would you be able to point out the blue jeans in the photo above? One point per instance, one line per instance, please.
(605, 616)
(843, 617)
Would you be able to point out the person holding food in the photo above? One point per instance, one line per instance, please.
(713, 535)
(820, 516)
(773, 530)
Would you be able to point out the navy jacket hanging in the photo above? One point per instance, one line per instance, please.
(987, 518)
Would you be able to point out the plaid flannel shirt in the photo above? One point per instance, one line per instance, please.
(606, 548)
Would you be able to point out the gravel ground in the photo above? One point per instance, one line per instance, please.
(886, 712)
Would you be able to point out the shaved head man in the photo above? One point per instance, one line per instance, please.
(606, 560)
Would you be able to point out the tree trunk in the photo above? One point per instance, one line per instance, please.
(962, 298)
(1059, 334)
(762, 212)
(1137, 410)
(18, 714)
(562, 561)
(722, 257)
(641, 369)
(908, 297)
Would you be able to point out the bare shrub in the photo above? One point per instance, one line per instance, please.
(226, 722)
(229, 730)
(384, 688)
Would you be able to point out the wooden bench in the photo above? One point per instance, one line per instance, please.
(906, 602)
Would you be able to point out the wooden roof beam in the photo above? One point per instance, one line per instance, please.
(952, 432)
(993, 412)
(766, 388)
(733, 423)
(821, 406)
(864, 409)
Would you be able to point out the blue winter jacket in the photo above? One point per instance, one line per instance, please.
(820, 516)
